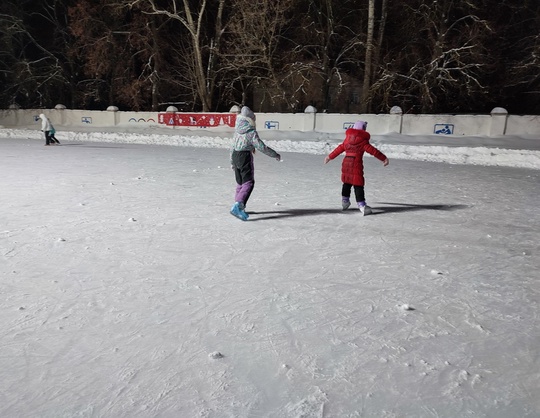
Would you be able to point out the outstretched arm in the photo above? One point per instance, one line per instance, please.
(338, 150)
(370, 149)
(261, 146)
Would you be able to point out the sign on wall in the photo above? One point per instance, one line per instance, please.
(201, 120)
(271, 124)
(443, 129)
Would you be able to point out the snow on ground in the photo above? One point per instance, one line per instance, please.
(129, 291)
(509, 151)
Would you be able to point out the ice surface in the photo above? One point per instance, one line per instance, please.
(128, 290)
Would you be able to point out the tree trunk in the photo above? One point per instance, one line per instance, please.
(368, 67)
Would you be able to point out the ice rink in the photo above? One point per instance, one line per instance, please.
(128, 290)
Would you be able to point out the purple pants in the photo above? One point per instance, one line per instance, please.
(244, 174)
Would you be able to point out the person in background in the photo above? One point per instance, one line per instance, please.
(48, 129)
(356, 143)
(53, 138)
(245, 141)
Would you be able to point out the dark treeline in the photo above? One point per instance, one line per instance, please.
(444, 56)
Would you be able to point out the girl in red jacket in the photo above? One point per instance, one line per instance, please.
(352, 169)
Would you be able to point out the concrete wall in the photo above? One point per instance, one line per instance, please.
(498, 123)
(470, 125)
(522, 125)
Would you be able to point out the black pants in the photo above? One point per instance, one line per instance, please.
(50, 138)
(243, 166)
(358, 192)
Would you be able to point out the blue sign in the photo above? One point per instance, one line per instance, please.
(444, 129)
(271, 124)
(348, 125)
(86, 119)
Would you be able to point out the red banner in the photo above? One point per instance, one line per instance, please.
(202, 120)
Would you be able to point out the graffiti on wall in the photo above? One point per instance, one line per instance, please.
(142, 120)
(200, 120)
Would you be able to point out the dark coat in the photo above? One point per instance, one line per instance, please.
(355, 144)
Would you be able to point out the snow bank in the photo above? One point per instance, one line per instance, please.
(472, 151)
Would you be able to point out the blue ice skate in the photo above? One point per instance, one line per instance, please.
(238, 211)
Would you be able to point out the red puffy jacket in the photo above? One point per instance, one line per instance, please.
(355, 144)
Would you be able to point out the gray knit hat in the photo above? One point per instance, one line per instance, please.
(247, 112)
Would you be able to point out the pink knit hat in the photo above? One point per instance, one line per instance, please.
(360, 125)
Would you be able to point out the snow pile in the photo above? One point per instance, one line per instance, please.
(505, 152)
(464, 155)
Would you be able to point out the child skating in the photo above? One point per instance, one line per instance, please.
(49, 131)
(356, 143)
(245, 141)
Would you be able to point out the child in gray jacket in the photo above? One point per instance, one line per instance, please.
(245, 141)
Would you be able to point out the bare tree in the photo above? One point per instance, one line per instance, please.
(524, 77)
(369, 56)
(203, 21)
(518, 56)
(120, 54)
(330, 41)
(374, 42)
(33, 62)
(426, 56)
(253, 50)
(444, 60)
(102, 47)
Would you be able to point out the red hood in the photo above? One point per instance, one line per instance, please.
(356, 136)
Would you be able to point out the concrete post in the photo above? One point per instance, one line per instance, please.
(309, 118)
(62, 115)
(114, 110)
(396, 119)
(499, 117)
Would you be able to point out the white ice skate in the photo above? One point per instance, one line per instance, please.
(365, 210)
